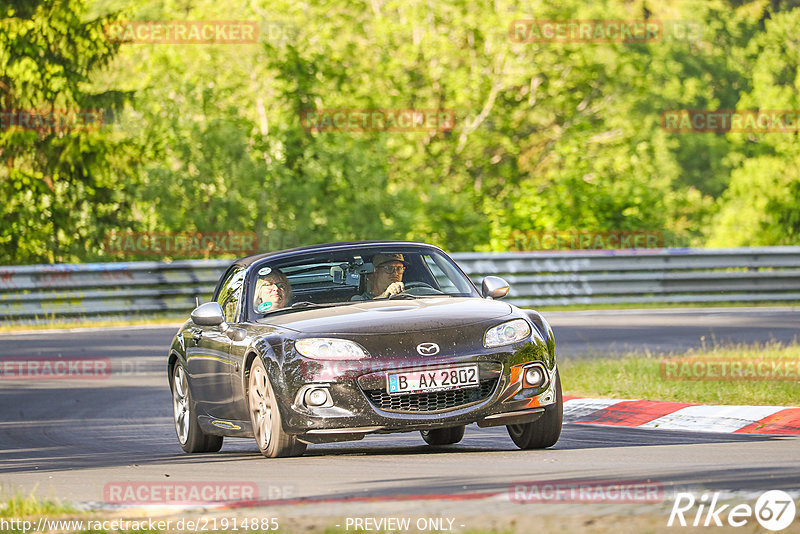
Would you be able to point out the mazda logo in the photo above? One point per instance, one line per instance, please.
(428, 349)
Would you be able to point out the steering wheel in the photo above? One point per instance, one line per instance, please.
(427, 290)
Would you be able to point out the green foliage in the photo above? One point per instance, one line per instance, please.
(548, 135)
(21, 505)
(762, 203)
(61, 186)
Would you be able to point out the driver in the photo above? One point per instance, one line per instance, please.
(273, 290)
(387, 278)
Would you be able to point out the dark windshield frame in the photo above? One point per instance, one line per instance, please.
(365, 251)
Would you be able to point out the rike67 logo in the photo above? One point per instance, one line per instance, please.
(774, 510)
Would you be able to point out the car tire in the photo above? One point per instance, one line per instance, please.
(191, 437)
(443, 436)
(265, 416)
(543, 432)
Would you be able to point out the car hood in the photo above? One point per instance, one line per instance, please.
(392, 316)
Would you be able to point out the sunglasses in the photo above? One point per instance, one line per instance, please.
(279, 285)
(392, 269)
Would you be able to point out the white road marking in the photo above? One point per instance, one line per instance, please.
(577, 408)
(713, 418)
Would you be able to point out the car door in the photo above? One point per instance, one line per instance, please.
(208, 352)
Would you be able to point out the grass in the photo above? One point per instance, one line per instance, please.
(28, 505)
(682, 377)
(29, 509)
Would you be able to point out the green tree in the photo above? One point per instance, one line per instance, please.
(547, 136)
(762, 204)
(61, 187)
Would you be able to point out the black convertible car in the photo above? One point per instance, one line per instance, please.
(333, 342)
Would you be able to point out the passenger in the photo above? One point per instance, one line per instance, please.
(273, 290)
(387, 279)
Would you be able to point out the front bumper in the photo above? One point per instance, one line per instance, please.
(361, 405)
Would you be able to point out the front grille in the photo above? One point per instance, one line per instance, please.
(430, 402)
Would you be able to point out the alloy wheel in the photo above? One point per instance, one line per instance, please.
(261, 407)
(180, 404)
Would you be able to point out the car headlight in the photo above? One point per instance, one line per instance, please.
(327, 348)
(507, 333)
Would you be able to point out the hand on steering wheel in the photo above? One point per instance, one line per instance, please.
(394, 288)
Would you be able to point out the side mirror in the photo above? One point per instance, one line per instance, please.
(208, 314)
(493, 287)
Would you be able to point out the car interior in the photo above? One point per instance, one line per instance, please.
(338, 278)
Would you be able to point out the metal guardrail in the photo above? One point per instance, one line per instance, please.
(43, 293)
(765, 274)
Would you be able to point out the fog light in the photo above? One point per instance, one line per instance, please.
(534, 377)
(317, 397)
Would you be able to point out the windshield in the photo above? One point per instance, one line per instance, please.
(349, 276)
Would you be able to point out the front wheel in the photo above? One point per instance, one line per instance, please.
(190, 436)
(443, 436)
(272, 441)
(545, 431)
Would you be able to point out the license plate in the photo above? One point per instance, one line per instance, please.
(440, 379)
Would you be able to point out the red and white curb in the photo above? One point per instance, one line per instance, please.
(683, 416)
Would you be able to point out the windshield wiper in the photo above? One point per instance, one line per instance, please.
(305, 304)
(400, 296)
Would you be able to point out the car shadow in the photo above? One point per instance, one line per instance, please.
(57, 428)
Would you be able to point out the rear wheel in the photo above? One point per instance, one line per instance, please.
(443, 436)
(272, 441)
(545, 431)
(190, 435)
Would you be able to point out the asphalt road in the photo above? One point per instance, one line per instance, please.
(70, 438)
